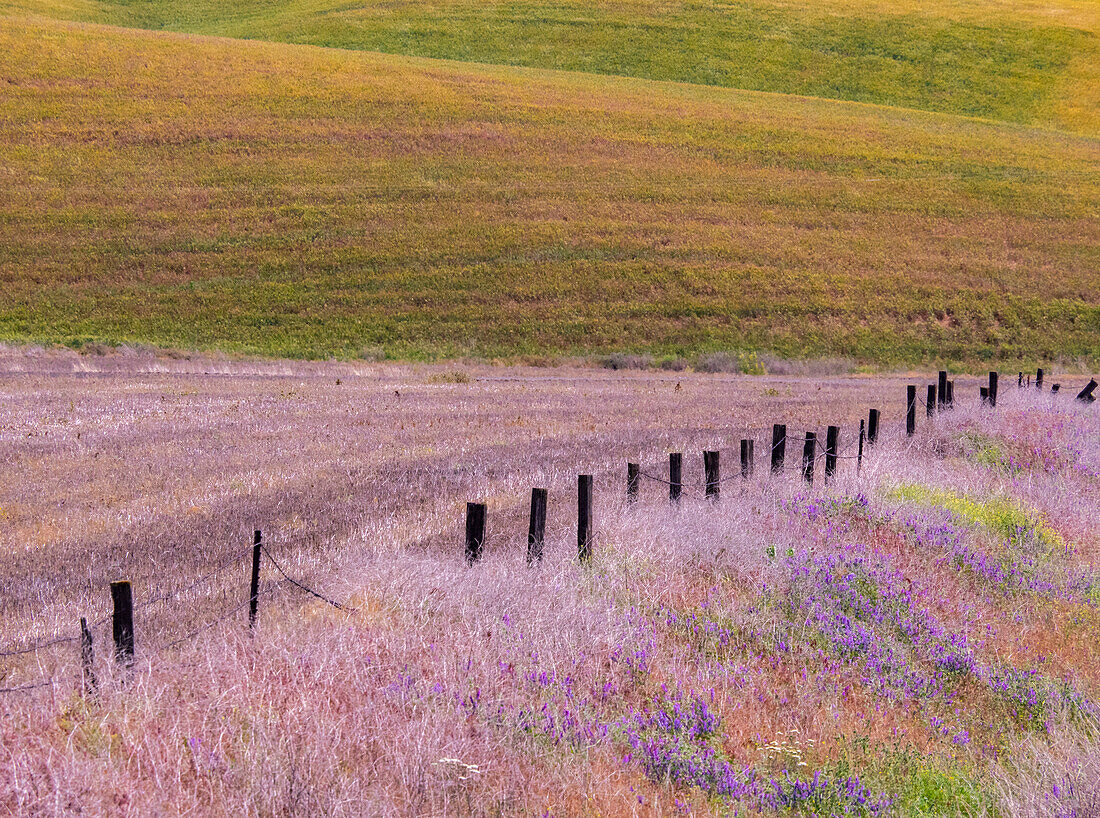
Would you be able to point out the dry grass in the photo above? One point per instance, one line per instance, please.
(303, 202)
(508, 690)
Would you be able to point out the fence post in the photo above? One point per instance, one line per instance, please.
(87, 658)
(254, 586)
(675, 475)
(930, 402)
(910, 410)
(832, 435)
(1054, 389)
(475, 531)
(941, 392)
(122, 622)
(710, 469)
(1039, 378)
(632, 479)
(747, 458)
(950, 394)
(872, 427)
(779, 447)
(992, 388)
(584, 517)
(859, 454)
(1085, 395)
(809, 452)
(536, 532)
(1020, 381)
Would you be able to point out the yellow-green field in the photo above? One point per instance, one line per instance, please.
(194, 192)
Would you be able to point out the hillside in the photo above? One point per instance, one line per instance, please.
(286, 200)
(1026, 62)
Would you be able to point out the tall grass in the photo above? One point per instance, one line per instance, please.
(788, 650)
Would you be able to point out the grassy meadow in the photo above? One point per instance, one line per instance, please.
(204, 193)
(1023, 62)
(913, 639)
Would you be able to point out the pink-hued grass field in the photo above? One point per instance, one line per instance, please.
(917, 638)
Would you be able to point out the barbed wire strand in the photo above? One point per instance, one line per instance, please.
(298, 584)
(179, 592)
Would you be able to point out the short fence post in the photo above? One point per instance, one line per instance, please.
(779, 447)
(536, 532)
(930, 402)
(941, 392)
(675, 476)
(832, 435)
(1085, 395)
(254, 586)
(747, 458)
(87, 658)
(950, 394)
(632, 478)
(992, 388)
(584, 517)
(122, 622)
(1039, 378)
(710, 469)
(1020, 381)
(809, 452)
(872, 427)
(910, 410)
(475, 531)
(859, 454)
(983, 393)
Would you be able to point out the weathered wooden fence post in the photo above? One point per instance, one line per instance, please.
(536, 531)
(779, 447)
(1085, 395)
(475, 531)
(87, 659)
(983, 393)
(122, 622)
(675, 476)
(584, 517)
(747, 458)
(1054, 389)
(910, 410)
(1020, 381)
(710, 470)
(859, 454)
(254, 585)
(992, 388)
(1039, 378)
(832, 436)
(632, 479)
(872, 427)
(930, 402)
(941, 393)
(950, 394)
(809, 452)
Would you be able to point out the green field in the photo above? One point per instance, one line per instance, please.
(208, 193)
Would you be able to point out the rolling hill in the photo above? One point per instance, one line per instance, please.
(201, 192)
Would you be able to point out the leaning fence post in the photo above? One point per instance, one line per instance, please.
(779, 447)
(87, 658)
(584, 517)
(832, 435)
(941, 391)
(872, 427)
(809, 452)
(1085, 395)
(254, 586)
(910, 410)
(675, 475)
(747, 458)
(992, 388)
(536, 531)
(930, 402)
(859, 454)
(632, 478)
(710, 469)
(122, 622)
(475, 531)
